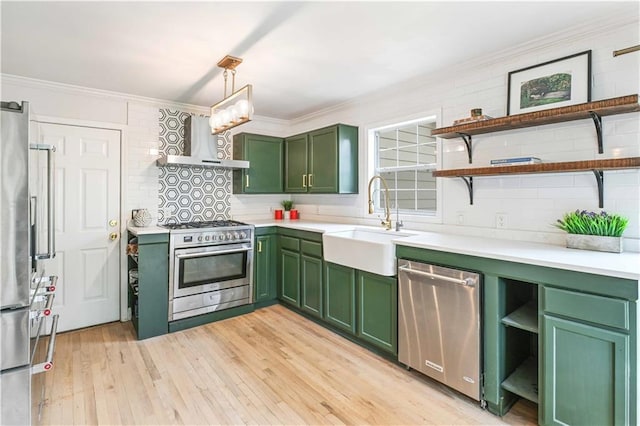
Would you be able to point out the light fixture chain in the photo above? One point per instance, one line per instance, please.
(233, 81)
(225, 82)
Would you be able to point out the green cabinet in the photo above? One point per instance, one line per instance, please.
(378, 310)
(340, 297)
(586, 374)
(289, 277)
(266, 164)
(322, 161)
(264, 269)
(149, 292)
(300, 272)
(586, 359)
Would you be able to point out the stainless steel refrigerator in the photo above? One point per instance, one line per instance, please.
(27, 236)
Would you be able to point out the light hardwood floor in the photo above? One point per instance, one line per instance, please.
(268, 367)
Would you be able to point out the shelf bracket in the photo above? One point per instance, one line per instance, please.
(597, 121)
(467, 142)
(469, 182)
(599, 174)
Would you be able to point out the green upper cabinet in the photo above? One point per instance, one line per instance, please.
(323, 161)
(266, 156)
(296, 157)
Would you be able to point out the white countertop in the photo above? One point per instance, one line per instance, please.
(620, 265)
(136, 230)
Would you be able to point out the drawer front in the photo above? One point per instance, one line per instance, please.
(290, 243)
(14, 329)
(312, 249)
(587, 307)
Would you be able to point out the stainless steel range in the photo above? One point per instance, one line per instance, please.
(210, 267)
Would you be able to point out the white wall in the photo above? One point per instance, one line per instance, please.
(531, 203)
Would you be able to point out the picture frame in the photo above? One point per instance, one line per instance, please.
(561, 82)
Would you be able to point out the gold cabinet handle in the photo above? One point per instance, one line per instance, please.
(247, 185)
(304, 181)
(259, 246)
(310, 180)
(113, 236)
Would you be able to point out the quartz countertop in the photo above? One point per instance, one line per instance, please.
(136, 230)
(303, 225)
(620, 265)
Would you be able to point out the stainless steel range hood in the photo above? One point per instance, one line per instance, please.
(200, 148)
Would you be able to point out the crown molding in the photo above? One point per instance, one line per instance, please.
(587, 29)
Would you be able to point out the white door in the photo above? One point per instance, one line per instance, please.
(87, 218)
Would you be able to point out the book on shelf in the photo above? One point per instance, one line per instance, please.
(515, 161)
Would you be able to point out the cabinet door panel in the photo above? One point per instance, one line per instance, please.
(312, 285)
(265, 154)
(340, 297)
(296, 168)
(378, 310)
(323, 160)
(586, 377)
(264, 269)
(290, 277)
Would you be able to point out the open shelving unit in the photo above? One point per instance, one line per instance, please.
(594, 110)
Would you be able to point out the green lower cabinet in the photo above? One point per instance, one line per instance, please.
(289, 291)
(311, 285)
(264, 272)
(378, 311)
(340, 297)
(586, 374)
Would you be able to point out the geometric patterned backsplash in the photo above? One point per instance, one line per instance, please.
(191, 193)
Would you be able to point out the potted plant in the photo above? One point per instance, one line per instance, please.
(593, 231)
(287, 205)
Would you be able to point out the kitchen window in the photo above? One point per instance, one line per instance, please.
(405, 154)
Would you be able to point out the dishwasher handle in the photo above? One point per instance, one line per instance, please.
(467, 282)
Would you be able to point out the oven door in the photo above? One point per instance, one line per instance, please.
(203, 269)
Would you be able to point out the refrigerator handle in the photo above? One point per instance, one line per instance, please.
(51, 201)
(48, 363)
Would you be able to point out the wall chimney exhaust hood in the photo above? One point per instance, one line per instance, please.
(200, 148)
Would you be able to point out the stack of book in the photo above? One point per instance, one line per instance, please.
(515, 161)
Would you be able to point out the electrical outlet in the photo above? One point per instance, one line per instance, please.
(460, 218)
(501, 220)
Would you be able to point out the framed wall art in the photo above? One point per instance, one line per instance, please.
(561, 82)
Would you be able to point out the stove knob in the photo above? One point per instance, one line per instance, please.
(236, 236)
(200, 238)
(229, 236)
(243, 235)
(207, 238)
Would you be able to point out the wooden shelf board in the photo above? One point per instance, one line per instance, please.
(524, 318)
(570, 166)
(524, 380)
(620, 105)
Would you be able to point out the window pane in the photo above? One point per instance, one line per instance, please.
(405, 156)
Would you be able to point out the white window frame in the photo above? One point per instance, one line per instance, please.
(405, 215)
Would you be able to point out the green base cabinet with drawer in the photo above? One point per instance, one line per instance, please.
(322, 161)
(378, 310)
(264, 269)
(266, 164)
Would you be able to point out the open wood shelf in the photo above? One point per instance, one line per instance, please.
(524, 380)
(524, 318)
(620, 105)
(563, 167)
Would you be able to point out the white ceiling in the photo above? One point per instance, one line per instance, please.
(300, 56)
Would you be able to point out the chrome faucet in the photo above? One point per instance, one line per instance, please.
(387, 220)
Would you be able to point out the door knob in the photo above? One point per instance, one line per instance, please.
(113, 236)
(113, 222)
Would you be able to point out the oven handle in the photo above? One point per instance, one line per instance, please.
(209, 253)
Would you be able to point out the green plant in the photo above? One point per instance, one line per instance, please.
(287, 205)
(591, 223)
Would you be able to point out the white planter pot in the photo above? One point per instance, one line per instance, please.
(287, 215)
(595, 242)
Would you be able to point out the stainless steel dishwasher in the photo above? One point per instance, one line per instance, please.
(439, 324)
